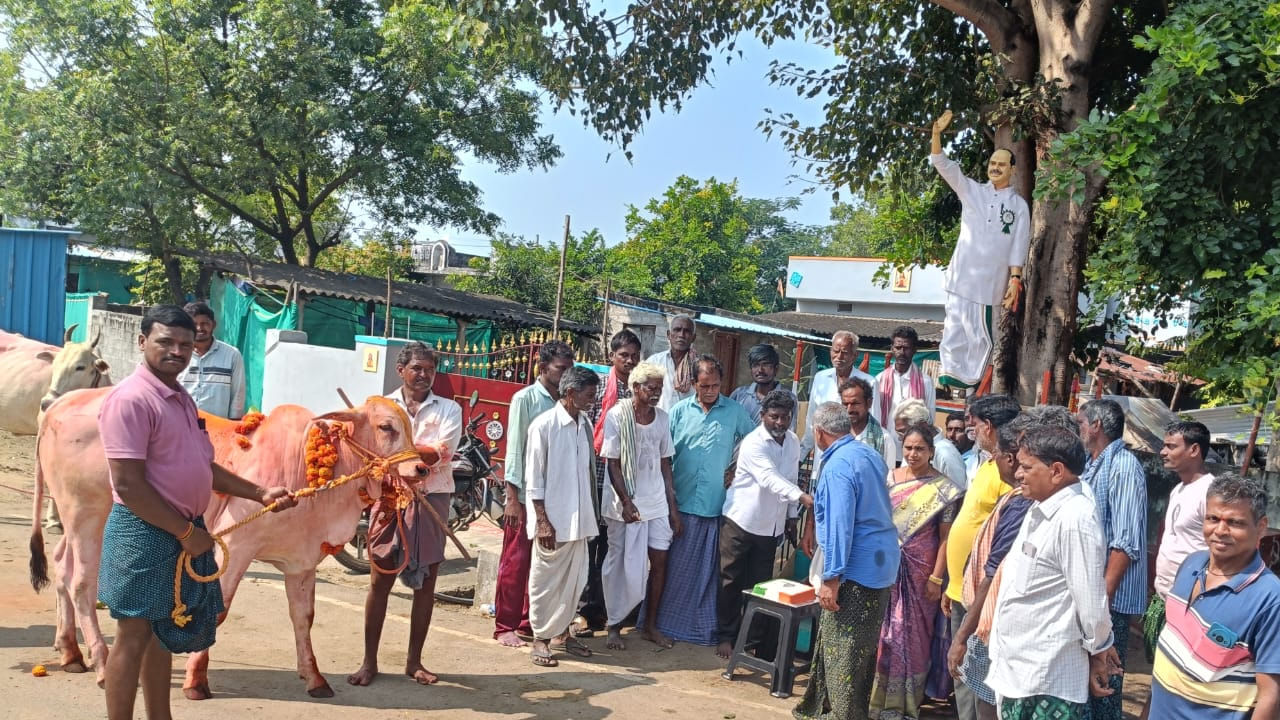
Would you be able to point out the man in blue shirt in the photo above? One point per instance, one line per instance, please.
(706, 430)
(860, 550)
(1119, 487)
(1218, 657)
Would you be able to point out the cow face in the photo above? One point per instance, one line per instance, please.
(384, 428)
(76, 366)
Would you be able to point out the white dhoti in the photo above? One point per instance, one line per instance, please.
(966, 342)
(556, 580)
(625, 573)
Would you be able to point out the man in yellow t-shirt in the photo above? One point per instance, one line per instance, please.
(987, 414)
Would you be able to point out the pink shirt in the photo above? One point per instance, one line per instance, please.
(1183, 530)
(144, 419)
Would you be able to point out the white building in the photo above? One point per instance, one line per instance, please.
(847, 286)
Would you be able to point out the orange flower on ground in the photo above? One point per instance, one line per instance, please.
(39, 671)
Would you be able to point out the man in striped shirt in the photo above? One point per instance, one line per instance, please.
(1119, 487)
(215, 377)
(1219, 653)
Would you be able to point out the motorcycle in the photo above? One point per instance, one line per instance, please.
(477, 489)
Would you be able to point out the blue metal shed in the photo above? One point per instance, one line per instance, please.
(33, 282)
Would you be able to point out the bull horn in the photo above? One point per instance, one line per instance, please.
(66, 337)
(97, 335)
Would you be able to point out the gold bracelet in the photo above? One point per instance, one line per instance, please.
(191, 527)
(935, 579)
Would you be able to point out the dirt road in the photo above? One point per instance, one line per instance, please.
(252, 671)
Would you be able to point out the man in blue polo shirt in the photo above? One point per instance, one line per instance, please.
(1219, 653)
(860, 549)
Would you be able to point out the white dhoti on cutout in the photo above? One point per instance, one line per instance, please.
(556, 580)
(966, 340)
(625, 573)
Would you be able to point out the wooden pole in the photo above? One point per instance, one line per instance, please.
(564, 251)
(604, 320)
(386, 323)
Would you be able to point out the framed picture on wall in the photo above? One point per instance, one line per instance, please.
(900, 280)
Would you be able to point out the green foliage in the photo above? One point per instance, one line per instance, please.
(691, 246)
(152, 285)
(1194, 191)
(372, 255)
(526, 271)
(267, 121)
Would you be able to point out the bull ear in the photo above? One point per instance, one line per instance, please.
(97, 335)
(66, 337)
(45, 355)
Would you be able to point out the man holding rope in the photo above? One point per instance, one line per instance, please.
(409, 542)
(162, 475)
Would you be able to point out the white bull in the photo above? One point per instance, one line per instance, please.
(35, 374)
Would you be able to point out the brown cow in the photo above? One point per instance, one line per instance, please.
(70, 460)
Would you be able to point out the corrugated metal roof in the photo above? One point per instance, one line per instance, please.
(930, 331)
(442, 301)
(1233, 423)
(734, 324)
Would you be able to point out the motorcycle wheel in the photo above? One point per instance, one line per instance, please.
(354, 555)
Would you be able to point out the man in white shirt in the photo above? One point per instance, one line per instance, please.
(677, 362)
(902, 380)
(1051, 641)
(215, 376)
(638, 505)
(417, 548)
(558, 468)
(986, 267)
(826, 385)
(761, 503)
(1185, 446)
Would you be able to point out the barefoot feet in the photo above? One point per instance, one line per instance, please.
(724, 650)
(365, 675)
(511, 640)
(615, 641)
(420, 674)
(652, 635)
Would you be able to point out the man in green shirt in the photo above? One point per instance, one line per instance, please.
(511, 596)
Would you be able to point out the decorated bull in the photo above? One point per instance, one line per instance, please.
(289, 448)
(36, 374)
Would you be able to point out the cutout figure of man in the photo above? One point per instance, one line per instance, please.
(986, 267)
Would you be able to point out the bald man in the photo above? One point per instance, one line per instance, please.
(986, 267)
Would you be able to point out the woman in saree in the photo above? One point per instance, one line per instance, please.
(924, 505)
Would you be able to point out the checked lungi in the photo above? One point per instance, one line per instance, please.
(1042, 707)
(688, 609)
(135, 580)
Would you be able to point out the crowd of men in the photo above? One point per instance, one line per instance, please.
(1000, 559)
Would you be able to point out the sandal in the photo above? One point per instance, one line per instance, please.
(543, 659)
(574, 647)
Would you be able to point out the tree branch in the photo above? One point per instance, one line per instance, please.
(991, 18)
(182, 172)
(1091, 18)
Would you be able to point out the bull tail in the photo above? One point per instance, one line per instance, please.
(39, 562)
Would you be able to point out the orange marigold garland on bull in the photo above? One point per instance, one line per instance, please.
(321, 455)
(245, 427)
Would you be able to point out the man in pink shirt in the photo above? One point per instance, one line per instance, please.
(162, 475)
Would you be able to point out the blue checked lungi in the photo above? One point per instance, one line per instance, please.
(688, 610)
(135, 580)
(974, 669)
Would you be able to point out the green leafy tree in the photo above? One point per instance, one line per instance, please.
(269, 118)
(527, 271)
(1018, 74)
(1193, 202)
(691, 246)
(373, 254)
(775, 239)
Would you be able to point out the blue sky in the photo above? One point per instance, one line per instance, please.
(714, 135)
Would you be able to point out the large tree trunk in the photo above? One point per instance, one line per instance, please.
(1059, 226)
